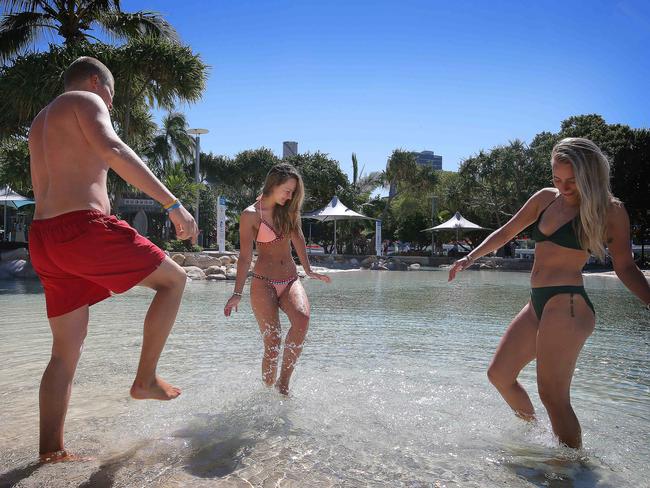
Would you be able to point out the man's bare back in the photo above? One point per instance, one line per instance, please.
(67, 172)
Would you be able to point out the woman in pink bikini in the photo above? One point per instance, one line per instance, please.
(273, 223)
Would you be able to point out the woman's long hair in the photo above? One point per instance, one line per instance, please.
(286, 218)
(591, 169)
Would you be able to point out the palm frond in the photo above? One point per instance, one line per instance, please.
(137, 25)
(19, 30)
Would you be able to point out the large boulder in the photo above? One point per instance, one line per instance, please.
(216, 277)
(179, 259)
(17, 268)
(194, 272)
(368, 262)
(396, 265)
(202, 261)
(414, 266)
(214, 270)
(231, 273)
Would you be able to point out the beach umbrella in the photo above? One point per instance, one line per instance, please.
(335, 210)
(457, 223)
(8, 197)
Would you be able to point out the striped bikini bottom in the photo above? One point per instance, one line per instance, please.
(279, 285)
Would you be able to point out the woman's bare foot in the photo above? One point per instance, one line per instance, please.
(282, 388)
(157, 389)
(62, 456)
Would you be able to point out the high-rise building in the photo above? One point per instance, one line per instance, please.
(289, 148)
(423, 158)
(428, 158)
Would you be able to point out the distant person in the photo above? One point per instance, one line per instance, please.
(273, 224)
(578, 216)
(81, 253)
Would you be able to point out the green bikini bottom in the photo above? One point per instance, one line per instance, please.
(539, 296)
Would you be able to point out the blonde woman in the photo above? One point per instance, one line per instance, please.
(578, 216)
(273, 224)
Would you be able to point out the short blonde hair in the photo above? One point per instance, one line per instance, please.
(83, 68)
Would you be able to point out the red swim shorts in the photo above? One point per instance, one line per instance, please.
(83, 256)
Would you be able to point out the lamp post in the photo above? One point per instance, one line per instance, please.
(197, 177)
(433, 223)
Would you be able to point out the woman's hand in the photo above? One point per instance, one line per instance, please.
(318, 276)
(232, 302)
(460, 265)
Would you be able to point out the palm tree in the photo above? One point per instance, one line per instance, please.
(171, 145)
(24, 22)
(147, 72)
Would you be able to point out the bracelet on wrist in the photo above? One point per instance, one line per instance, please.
(167, 205)
(172, 205)
(236, 294)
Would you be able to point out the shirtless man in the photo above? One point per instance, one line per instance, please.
(81, 253)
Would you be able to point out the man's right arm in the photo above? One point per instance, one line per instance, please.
(95, 123)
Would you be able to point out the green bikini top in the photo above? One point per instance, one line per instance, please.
(565, 236)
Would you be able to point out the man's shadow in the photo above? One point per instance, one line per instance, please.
(13, 477)
(219, 443)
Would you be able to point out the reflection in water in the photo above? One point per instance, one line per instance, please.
(20, 287)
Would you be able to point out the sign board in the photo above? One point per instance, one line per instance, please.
(221, 224)
(378, 237)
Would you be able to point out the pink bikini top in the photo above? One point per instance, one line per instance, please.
(266, 234)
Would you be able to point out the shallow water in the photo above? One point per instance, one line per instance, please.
(390, 391)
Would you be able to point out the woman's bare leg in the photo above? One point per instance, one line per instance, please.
(265, 307)
(516, 350)
(562, 333)
(295, 304)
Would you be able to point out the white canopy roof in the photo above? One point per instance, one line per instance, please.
(455, 223)
(335, 210)
(7, 195)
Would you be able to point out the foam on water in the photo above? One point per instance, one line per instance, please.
(390, 391)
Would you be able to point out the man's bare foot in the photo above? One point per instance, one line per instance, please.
(157, 389)
(61, 456)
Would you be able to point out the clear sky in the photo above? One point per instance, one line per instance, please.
(453, 77)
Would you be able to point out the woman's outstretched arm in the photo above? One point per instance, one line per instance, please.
(522, 219)
(246, 236)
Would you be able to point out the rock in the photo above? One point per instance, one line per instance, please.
(414, 266)
(214, 270)
(225, 260)
(396, 265)
(14, 254)
(215, 277)
(202, 261)
(367, 263)
(233, 259)
(16, 268)
(354, 262)
(231, 273)
(194, 272)
(179, 259)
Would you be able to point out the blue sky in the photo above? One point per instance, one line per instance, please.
(372, 76)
